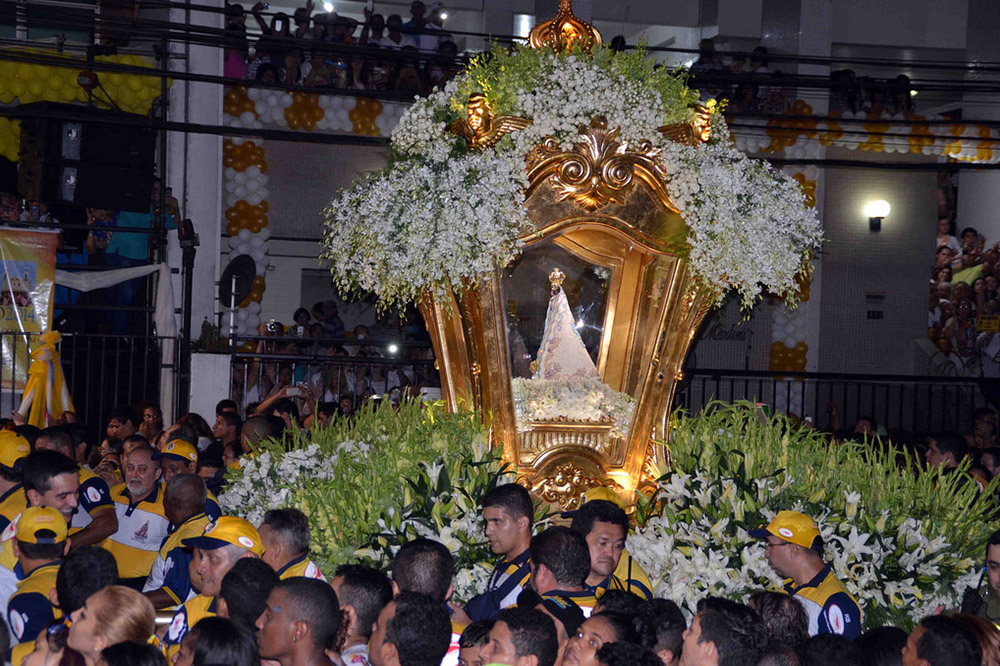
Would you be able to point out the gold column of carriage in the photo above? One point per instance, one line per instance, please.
(605, 232)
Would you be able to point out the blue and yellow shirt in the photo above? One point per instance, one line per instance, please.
(170, 569)
(142, 528)
(12, 503)
(506, 582)
(830, 607)
(94, 496)
(29, 610)
(301, 566)
(584, 599)
(189, 614)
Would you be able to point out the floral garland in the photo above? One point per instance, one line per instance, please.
(575, 399)
(437, 217)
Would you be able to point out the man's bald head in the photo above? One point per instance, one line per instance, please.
(184, 496)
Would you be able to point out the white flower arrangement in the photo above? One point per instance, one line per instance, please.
(573, 399)
(437, 217)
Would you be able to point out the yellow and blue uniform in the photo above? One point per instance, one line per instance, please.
(189, 614)
(212, 508)
(12, 503)
(629, 576)
(584, 599)
(301, 566)
(507, 581)
(170, 569)
(94, 497)
(142, 528)
(830, 607)
(29, 610)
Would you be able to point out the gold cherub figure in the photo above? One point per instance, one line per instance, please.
(696, 132)
(481, 129)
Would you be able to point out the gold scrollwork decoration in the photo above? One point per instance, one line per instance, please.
(564, 486)
(481, 128)
(565, 31)
(600, 169)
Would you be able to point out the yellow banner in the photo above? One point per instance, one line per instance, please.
(27, 281)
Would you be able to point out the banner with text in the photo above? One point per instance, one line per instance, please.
(27, 280)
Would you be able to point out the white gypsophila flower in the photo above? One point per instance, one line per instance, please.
(427, 222)
(573, 398)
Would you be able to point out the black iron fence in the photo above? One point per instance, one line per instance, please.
(899, 403)
(102, 371)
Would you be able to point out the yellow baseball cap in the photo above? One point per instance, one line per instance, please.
(180, 450)
(793, 527)
(228, 531)
(13, 448)
(42, 525)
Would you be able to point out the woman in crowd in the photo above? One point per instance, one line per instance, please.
(215, 640)
(113, 615)
(608, 627)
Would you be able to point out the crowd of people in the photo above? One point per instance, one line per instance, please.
(100, 540)
(100, 247)
(749, 83)
(325, 50)
(332, 370)
(963, 309)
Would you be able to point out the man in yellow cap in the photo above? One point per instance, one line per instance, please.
(40, 544)
(224, 542)
(13, 449)
(794, 547)
(181, 457)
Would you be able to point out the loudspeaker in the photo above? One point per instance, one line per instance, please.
(79, 155)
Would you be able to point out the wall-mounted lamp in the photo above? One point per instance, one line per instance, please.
(876, 210)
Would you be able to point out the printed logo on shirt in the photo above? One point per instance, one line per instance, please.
(17, 624)
(785, 532)
(836, 617)
(93, 494)
(142, 533)
(177, 627)
(11, 529)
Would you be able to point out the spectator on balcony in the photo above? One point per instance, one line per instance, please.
(406, 76)
(433, 33)
(373, 30)
(235, 63)
(707, 65)
(325, 313)
(417, 18)
(844, 93)
(395, 38)
(275, 44)
(39, 214)
(303, 17)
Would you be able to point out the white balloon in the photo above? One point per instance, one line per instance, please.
(241, 315)
(253, 171)
(231, 200)
(234, 241)
(263, 192)
(285, 100)
(253, 93)
(272, 99)
(230, 186)
(240, 177)
(246, 117)
(229, 172)
(254, 307)
(265, 233)
(257, 254)
(253, 198)
(242, 245)
(260, 268)
(245, 235)
(789, 342)
(240, 192)
(256, 241)
(253, 321)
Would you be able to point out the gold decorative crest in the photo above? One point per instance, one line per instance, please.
(565, 486)
(599, 170)
(564, 32)
(480, 128)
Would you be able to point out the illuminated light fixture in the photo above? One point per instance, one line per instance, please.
(876, 211)
(913, 93)
(444, 15)
(328, 6)
(393, 348)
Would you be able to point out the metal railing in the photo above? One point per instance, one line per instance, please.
(329, 367)
(899, 403)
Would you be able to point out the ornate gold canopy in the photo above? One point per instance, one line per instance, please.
(601, 216)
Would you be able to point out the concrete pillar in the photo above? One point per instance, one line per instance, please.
(194, 164)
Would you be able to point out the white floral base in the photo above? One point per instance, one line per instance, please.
(573, 399)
